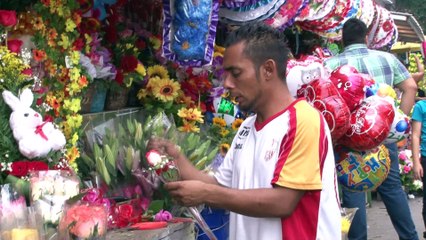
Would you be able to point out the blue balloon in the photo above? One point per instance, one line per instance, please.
(401, 126)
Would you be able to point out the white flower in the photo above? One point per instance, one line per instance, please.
(154, 158)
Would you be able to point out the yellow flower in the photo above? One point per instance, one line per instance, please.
(156, 42)
(141, 69)
(166, 90)
(237, 123)
(64, 42)
(224, 132)
(73, 88)
(74, 74)
(189, 127)
(74, 139)
(74, 121)
(191, 114)
(73, 105)
(75, 57)
(128, 46)
(72, 154)
(219, 49)
(158, 71)
(142, 93)
(70, 25)
(219, 121)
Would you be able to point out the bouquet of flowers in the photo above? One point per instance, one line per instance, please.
(16, 220)
(167, 171)
(49, 191)
(406, 172)
(84, 220)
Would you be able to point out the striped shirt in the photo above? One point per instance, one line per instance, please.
(382, 66)
(291, 149)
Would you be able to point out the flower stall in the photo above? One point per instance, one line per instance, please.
(102, 77)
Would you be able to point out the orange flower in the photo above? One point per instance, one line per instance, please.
(77, 18)
(38, 23)
(39, 55)
(83, 81)
(52, 34)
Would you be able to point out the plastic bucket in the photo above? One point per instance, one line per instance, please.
(218, 221)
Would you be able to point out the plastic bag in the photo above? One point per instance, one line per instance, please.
(189, 31)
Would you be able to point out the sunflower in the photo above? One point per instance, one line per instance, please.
(191, 114)
(166, 90)
(224, 132)
(189, 127)
(223, 149)
(237, 123)
(158, 71)
(219, 122)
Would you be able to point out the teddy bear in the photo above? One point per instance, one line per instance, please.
(35, 137)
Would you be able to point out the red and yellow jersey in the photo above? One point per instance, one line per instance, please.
(291, 149)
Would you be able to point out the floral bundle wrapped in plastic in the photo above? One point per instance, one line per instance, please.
(347, 217)
(16, 220)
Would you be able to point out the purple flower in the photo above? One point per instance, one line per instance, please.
(163, 215)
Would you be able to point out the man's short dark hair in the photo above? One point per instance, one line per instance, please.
(262, 42)
(354, 31)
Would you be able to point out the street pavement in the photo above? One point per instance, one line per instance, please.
(379, 223)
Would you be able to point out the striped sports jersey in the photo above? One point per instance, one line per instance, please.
(291, 149)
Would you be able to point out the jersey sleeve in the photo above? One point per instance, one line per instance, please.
(303, 150)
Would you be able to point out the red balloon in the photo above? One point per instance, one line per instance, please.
(370, 124)
(350, 85)
(323, 95)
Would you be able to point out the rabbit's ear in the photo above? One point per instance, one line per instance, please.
(11, 100)
(26, 97)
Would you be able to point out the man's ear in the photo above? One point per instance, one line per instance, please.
(268, 68)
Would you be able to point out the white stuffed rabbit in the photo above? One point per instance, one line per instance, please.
(35, 137)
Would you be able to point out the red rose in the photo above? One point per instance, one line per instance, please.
(48, 118)
(119, 77)
(19, 168)
(14, 45)
(140, 44)
(129, 63)
(37, 166)
(7, 18)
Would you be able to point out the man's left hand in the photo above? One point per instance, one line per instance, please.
(188, 193)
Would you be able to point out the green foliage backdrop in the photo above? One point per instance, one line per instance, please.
(415, 7)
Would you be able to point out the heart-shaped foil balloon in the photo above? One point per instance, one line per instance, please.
(350, 85)
(323, 95)
(370, 124)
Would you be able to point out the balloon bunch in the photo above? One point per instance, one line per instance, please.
(361, 114)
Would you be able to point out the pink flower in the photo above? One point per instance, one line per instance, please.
(163, 215)
(14, 45)
(407, 169)
(7, 18)
(83, 220)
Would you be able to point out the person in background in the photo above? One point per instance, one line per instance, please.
(278, 178)
(418, 147)
(384, 68)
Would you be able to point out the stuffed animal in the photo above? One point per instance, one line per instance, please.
(35, 137)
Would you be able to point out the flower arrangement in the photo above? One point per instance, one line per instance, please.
(49, 191)
(61, 34)
(84, 221)
(406, 172)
